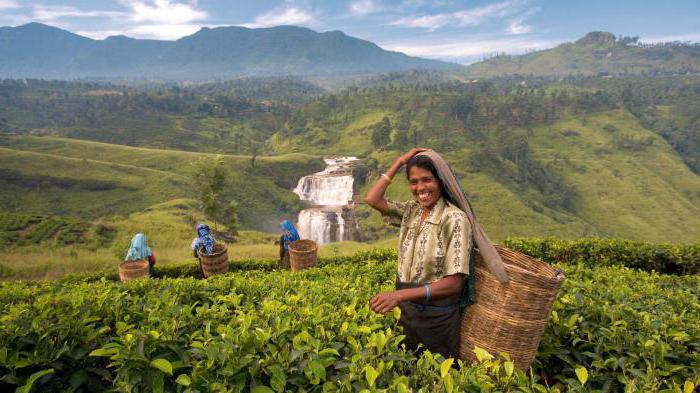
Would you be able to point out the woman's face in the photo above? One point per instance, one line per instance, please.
(424, 186)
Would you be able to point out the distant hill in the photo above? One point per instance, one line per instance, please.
(597, 53)
(90, 179)
(40, 51)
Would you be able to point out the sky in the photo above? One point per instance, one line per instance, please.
(460, 31)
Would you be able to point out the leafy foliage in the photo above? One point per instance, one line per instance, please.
(210, 183)
(270, 330)
(597, 252)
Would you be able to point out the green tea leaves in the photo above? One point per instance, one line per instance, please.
(163, 365)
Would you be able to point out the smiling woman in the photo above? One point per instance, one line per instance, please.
(435, 247)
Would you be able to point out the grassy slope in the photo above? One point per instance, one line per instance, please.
(646, 195)
(127, 187)
(142, 177)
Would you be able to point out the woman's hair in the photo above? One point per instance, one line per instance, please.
(426, 163)
(421, 162)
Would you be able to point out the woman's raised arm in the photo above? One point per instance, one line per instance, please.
(375, 196)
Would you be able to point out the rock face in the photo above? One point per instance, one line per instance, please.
(328, 193)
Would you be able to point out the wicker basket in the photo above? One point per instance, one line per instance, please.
(510, 317)
(129, 270)
(216, 262)
(302, 254)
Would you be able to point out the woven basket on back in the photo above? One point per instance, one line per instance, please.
(510, 317)
(302, 254)
(129, 270)
(216, 262)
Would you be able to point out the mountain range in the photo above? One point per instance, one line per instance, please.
(40, 51)
(35, 50)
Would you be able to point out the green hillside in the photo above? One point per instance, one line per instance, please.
(597, 53)
(640, 192)
(646, 194)
(574, 157)
(48, 175)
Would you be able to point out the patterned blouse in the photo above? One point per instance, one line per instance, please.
(438, 247)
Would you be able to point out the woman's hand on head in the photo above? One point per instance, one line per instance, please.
(384, 302)
(403, 159)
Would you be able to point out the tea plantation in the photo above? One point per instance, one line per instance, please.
(29, 229)
(261, 329)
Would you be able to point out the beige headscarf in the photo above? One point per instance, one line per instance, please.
(483, 244)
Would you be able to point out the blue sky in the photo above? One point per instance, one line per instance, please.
(461, 31)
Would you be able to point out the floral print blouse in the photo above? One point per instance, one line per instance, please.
(438, 247)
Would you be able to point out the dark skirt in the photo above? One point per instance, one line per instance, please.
(284, 255)
(435, 325)
(284, 260)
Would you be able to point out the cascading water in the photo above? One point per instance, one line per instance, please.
(329, 192)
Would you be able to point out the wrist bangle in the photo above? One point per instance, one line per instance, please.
(384, 175)
(427, 293)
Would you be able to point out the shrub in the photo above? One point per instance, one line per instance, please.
(265, 330)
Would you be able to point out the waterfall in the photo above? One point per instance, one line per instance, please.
(329, 192)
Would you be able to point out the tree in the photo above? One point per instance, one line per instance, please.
(401, 138)
(210, 181)
(461, 107)
(254, 151)
(381, 133)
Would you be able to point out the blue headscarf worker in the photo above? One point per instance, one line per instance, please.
(289, 234)
(139, 250)
(204, 240)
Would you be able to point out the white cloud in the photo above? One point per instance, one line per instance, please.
(692, 37)
(469, 49)
(8, 5)
(469, 17)
(517, 25)
(282, 16)
(157, 31)
(101, 34)
(364, 7)
(165, 12)
(50, 13)
(429, 22)
(425, 3)
(160, 19)
(164, 31)
(476, 16)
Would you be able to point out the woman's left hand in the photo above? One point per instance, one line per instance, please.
(384, 302)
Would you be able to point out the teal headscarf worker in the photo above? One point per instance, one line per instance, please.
(289, 235)
(139, 250)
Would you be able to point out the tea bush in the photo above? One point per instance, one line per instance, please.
(595, 252)
(265, 330)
